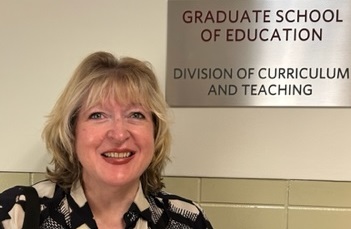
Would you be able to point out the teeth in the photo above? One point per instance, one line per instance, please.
(118, 155)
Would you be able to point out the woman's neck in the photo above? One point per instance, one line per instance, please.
(109, 204)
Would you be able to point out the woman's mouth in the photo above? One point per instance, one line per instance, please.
(117, 154)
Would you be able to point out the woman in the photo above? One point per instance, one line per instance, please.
(110, 139)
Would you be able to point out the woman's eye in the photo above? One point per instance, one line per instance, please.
(95, 115)
(138, 115)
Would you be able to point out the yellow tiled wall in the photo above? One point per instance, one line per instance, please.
(253, 203)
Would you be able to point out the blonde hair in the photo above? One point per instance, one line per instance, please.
(99, 76)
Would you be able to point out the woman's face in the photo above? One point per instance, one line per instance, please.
(114, 143)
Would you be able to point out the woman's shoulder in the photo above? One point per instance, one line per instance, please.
(9, 197)
(13, 201)
(178, 202)
(16, 195)
(179, 208)
(12, 204)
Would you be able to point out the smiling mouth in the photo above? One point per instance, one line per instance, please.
(117, 155)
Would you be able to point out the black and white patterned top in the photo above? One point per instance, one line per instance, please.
(60, 210)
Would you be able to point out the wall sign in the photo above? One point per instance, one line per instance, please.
(259, 53)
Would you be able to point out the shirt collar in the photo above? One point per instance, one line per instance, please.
(140, 199)
(139, 212)
(77, 194)
(140, 208)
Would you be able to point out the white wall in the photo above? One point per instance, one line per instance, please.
(41, 44)
(43, 41)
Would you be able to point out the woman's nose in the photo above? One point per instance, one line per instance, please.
(118, 132)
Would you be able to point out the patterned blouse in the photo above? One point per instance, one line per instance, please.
(60, 210)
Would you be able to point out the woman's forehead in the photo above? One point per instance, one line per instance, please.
(122, 93)
(115, 99)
